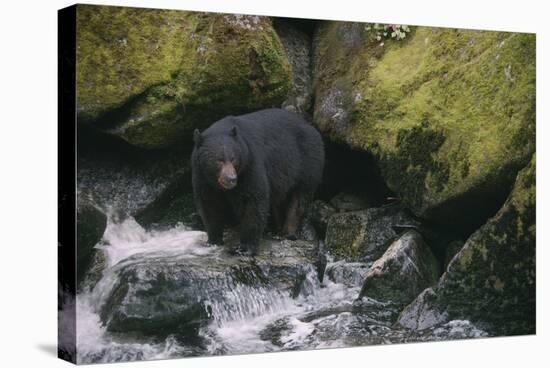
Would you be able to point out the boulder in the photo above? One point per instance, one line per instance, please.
(90, 226)
(405, 269)
(177, 293)
(351, 274)
(175, 204)
(449, 114)
(365, 235)
(492, 278)
(419, 315)
(126, 179)
(152, 76)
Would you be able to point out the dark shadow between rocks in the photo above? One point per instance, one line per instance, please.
(352, 172)
(307, 26)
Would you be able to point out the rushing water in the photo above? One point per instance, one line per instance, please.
(248, 318)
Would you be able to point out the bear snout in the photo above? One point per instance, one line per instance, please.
(228, 176)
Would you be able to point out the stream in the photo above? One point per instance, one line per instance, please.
(281, 300)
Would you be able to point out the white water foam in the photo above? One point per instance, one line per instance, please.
(300, 331)
(120, 242)
(239, 318)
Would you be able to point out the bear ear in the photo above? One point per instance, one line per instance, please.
(233, 131)
(197, 137)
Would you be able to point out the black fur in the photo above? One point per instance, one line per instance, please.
(279, 162)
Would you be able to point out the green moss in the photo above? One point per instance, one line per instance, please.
(345, 233)
(492, 279)
(123, 51)
(175, 71)
(414, 157)
(476, 89)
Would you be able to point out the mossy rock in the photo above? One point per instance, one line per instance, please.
(365, 235)
(449, 114)
(492, 279)
(152, 76)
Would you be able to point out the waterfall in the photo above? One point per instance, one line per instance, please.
(248, 306)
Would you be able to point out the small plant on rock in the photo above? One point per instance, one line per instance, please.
(382, 32)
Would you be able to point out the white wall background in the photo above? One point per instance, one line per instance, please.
(28, 180)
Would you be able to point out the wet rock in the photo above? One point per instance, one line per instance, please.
(351, 274)
(152, 76)
(364, 235)
(438, 136)
(452, 330)
(94, 272)
(175, 204)
(307, 231)
(405, 269)
(90, 226)
(419, 316)
(366, 323)
(338, 325)
(173, 293)
(492, 278)
(125, 178)
(345, 202)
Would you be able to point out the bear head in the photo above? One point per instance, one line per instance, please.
(221, 157)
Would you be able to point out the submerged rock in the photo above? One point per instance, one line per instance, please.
(177, 293)
(90, 226)
(448, 113)
(151, 76)
(367, 322)
(405, 269)
(492, 278)
(364, 235)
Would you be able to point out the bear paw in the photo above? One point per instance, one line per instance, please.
(249, 250)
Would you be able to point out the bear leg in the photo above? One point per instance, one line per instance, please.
(277, 215)
(215, 232)
(295, 212)
(252, 226)
(214, 222)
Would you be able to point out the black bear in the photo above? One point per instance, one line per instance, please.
(248, 167)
